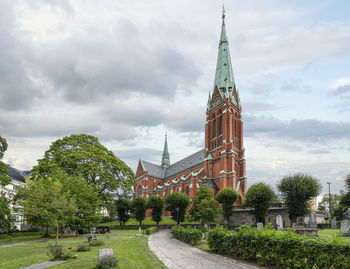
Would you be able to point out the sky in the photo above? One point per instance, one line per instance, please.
(129, 71)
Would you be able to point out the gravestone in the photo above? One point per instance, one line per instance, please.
(105, 252)
(333, 224)
(313, 219)
(345, 223)
(260, 226)
(279, 222)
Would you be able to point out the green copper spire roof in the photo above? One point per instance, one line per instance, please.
(224, 75)
(165, 158)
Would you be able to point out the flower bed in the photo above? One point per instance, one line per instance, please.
(285, 249)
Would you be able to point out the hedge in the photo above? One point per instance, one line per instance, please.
(188, 235)
(20, 234)
(278, 248)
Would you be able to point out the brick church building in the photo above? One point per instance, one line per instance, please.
(221, 163)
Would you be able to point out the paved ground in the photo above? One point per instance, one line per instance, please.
(178, 255)
(16, 244)
(43, 265)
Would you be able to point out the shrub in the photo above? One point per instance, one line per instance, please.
(55, 251)
(188, 235)
(151, 230)
(83, 247)
(96, 243)
(107, 262)
(278, 248)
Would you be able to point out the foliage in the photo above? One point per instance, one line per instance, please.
(139, 205)
(260, 197)
(278, 248)
(208, 210)
(188, 234)
(338, 211)
(156, 203)
(55, 252)
(204, 193)
(107, 262)
(151, 230)
(83, 155)
(96, 243)
(46, 204)
(83, 247)
(4, 170)
(227, 198)
(123, 206)
(6, 220)
(177, 204)
(297, 191)
(323, 206)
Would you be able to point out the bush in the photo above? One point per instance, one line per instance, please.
(83, 247)
(151, 230)
(96, 243)
(278, 248)
(188, 235)
(19, 234)
(55, 252)
(107, 262)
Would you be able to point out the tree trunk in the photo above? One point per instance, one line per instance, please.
(57, 234)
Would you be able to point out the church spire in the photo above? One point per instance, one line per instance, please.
(165, 158)
(224, 75)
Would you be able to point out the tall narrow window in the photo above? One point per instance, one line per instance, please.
(214, 128)
(220, 125)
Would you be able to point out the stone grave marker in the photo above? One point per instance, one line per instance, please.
(345, 223)
(105, 252)
(279, 222)
(260, 226)
(313, 219)
(333, 224)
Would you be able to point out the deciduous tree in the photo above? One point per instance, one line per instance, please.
(204, 192)
(156, 203)
(297, 191)
(227, 198)
(139, 205)
(123, 206)
(260, 197)
(177, 204)
(4, 170)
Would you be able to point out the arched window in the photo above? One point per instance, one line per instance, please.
(220, 125)
(139, 191)
(188, 191)
(214, 128)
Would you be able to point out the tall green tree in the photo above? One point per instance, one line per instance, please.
(208, 210)
(227, 198)
(6, 220)
(177, 203)
(156, 203)
(203, 193)
(45, 203)
(123, 206)
(4, 170)
(139, 205)
(297, 191)
(260, 197)
(83, 155)
(323, 206)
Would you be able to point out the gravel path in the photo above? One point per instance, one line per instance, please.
(43, 265)
(178, 255)
(16, 244)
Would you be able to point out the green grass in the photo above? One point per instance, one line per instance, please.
(146, 221)
(130, 250)
(331, 233)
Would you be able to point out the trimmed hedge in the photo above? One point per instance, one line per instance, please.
(285, 249)
(188, 235)
(151, 230)
(20, 234)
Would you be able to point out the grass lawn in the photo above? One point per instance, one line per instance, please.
(130, 250)
(146, 221)
(330, 233)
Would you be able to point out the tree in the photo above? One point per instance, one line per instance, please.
(6, 220)
(204, 192)
(4, 170)
(208, 210)
(177, 204)
(139, 205)
(123, 207)
(227, 198)
(297, 191)
(83, 155)
(156, 203)
(323, 206)
(260, 197)
(46, 204)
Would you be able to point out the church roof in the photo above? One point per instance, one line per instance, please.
(157, 171)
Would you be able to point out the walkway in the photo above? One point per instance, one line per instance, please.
(43, 265)
(178, 255)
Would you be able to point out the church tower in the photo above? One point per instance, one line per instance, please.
(224, 152)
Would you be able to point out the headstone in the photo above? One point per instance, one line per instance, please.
(346, 214)
(279, 222)
(333, 224)
(260, 226)
(313, 219)
(92, 230)
(345, 227)
(105, 252)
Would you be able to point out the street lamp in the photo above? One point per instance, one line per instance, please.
(329, 201)
(177, 214)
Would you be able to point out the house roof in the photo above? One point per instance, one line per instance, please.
(157, 171)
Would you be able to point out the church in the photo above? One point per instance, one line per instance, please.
(221, 163)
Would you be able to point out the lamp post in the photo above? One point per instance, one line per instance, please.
(330, 203)
(177, 215)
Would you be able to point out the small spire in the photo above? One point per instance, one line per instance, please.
(223, 13)
(165, 157)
